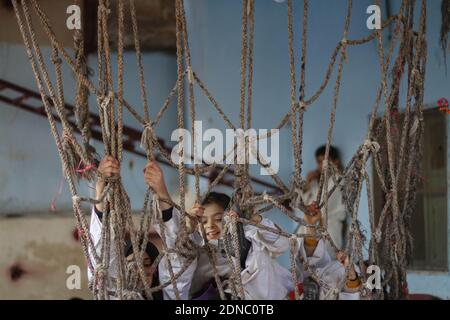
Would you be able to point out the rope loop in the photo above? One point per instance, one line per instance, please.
(148, 138)
(370, 146)
(76, 199)
(56, 60)
(190, 75)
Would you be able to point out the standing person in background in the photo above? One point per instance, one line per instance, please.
(336, 207)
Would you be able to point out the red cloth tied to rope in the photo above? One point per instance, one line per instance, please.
(291, 295)
(84, 170)
(443, 105)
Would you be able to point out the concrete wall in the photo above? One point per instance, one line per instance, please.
(36, 252)
(56, 12)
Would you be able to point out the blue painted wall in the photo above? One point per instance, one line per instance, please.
(215, 29)
(30, 170)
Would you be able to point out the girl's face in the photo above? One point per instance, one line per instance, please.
(319, 161)
(212, 221)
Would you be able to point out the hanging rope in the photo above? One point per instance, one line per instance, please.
(396, 165)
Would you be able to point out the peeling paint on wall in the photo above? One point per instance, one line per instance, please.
(36, 252)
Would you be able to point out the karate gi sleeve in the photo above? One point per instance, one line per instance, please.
(172, 223)
(264, 239)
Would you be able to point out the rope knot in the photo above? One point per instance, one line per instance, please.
(344, 43)
(56, 60)
(190, 75)
(148, 138)
(104, 101)
(371, 145)
(76, 199)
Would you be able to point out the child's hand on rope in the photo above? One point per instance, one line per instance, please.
(154, 178)
(313, 214)
(107, 168)
(195, 213)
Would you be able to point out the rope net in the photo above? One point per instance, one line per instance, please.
(393, 144)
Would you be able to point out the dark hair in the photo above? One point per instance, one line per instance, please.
(153, 253)
(333, 155)
(221, 199)
(150, 249)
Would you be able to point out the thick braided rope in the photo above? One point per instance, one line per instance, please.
(81, 222)
(356, 164)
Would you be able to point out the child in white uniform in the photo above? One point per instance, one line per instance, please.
(331, 272)
(336, 207)
(262, 277)
(153, 177)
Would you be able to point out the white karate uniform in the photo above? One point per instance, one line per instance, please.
(329, 271)
(95, 232)
(319, 259)
(336, 212)
(183, 283)
(263, 278)
(171, 230)
(333, 274)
